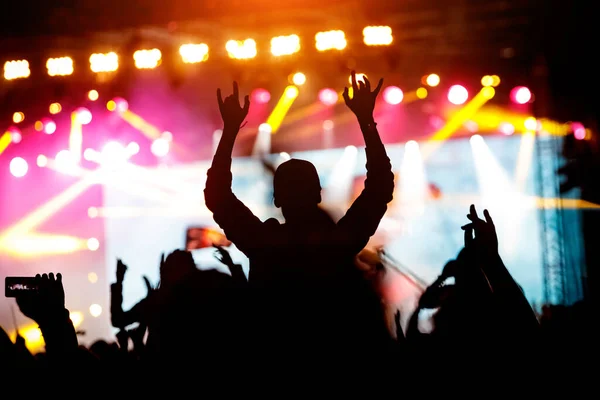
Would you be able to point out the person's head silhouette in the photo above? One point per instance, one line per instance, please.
(296, 188)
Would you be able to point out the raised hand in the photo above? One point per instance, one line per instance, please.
(121, 269)
(223, 255)
(486, 238)
(47, 302)
(363, 99)
(232, 113)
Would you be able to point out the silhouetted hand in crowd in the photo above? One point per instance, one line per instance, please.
(362, 102)
(486, 239)
(121, 270)
(235, 269)
(47, 302)
(233, 114)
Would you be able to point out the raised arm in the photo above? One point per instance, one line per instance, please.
(363, 217)
(241, 226)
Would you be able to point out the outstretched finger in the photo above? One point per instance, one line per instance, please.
(51, 276)
(488, 218)
(147, 283)
(378, 88)
(246, 104)
(346, 96)
(236, 91)
(367, 83)
(219, 98)
(361, 85)
(468, 236)
(354, 84)
(59, 277)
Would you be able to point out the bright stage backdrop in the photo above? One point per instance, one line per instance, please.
(421, 229)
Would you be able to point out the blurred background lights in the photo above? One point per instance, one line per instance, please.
(18, 117)
(328, 96)
(54, 108)
(432, 80)
(93, 95)
(160, 147)
(298, 79)
(506, 128)
(520, 95)
(359, 78)
(42, 161)
(578, 130)
(95, 310)
(393, 95)
(18, 167)
(328, 125)
(113, 155)
(421, 93)
(261, 96)
(65, 162)
(530, 124)
(93, 244)
(92, 277)
(84, 116)
(49, 126)
(457, 95)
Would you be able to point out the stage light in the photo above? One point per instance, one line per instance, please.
(160, 147)
(487, 81)
(328, 97)
(55, 108)
(49, 126)
(261, 96)
(16, 69)
(95, 310)
(104, 62)
(93, 244)
(18, 167)
(291, 92)
(330, 40)
(285, 156)
(520, 95)
(167, 136)
(298, 79)
(393, 95)
(42, 161)
(65, 161)
(193, 53)
(377, 36)
(471, 126)
(476, 140)
(18, 117)
(506, 128)
(411, 145)
(488, 92)
(113, 155)
(578, 130)
(38, 126)
(285, 45)
(328, 125)
(421, 93)
(458, 95)
(84, 116)
(61, 66)
(495, 80)
(241, 49)
(89, 154)
(133, 148)
(15, 135)
(93, 95)
(432, 80)
(530, 124)
(147, 59)
(265, 128)
(118, 104)
(92, 277)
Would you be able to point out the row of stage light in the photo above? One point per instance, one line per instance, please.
(191, 53)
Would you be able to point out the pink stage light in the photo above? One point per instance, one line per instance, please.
(18, 167)
(578, 130)
(160, 147)
(507, 128)
(328, 97)
(113, 154)
(49, 126)
(121, 105)
(261, 96)
(84, 116)
(458, 95)
(393, 95)
(520, 95)
(15, 134)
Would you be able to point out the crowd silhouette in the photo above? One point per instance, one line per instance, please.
(307, 298)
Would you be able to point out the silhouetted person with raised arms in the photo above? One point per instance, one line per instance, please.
(306, 264)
